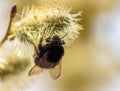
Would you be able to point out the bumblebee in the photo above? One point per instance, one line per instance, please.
(48, 57)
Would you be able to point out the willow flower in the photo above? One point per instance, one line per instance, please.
(53, 20)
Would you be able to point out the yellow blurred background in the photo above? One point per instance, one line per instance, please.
(91, 64)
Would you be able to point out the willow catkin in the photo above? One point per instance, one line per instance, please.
(53, 20)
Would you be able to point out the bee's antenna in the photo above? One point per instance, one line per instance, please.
(64, 35)
(12, 15)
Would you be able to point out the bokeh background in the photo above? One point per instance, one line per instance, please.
(91, 64)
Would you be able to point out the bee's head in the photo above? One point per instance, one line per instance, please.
(55, 40)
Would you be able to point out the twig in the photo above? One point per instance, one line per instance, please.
(12, 15)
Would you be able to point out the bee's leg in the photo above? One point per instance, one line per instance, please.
(35, 48)
(39, 46)
(42, 37)
(12, 15)
(41, 40)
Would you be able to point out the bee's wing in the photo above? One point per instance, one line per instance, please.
(35, 70)
(55, 72)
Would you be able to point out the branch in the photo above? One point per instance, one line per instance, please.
(12, 15)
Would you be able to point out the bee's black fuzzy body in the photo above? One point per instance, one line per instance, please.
(50, 54)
